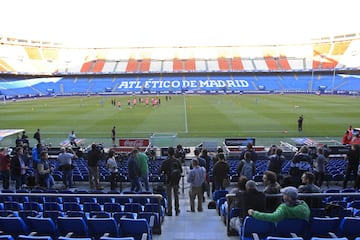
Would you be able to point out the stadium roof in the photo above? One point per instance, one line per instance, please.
(162, 23)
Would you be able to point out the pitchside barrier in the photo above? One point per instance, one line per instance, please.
(126, 145)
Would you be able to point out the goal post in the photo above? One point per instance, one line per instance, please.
(163, 139)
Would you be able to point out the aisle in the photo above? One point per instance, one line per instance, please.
(190, 226)
(205, 225)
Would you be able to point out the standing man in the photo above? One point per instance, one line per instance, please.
(300, 122)
(5, 167)
(44, 169)
(196, 178)
(113, 134)
(18, 167)
(93, 157)
(142, 160)
(65, 159)
(172, 169)
(37, 136)
(133, 171)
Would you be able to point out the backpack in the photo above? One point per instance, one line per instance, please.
(175, 173)
(247, 169)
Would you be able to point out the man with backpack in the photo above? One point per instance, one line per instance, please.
(172, 170)
(247, 167)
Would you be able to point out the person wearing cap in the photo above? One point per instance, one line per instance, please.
(291, 208)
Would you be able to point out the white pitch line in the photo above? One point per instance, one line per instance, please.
(185, 115)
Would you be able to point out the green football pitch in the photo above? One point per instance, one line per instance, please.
(193, 119)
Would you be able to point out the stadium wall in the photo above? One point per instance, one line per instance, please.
(323, 82)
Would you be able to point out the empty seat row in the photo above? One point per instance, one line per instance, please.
(76, 227)
(348, 227)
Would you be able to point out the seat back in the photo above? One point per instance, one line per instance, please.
(321, 226)
(99, 226)
(286, 227)
(252, 225)
(217, 194)
(349, 227)
(76, 225)
(133, 207)
(71, 206)
(33, 206)
(112, 207)
(135, 228)
(13, 226)
(91, 206)
(43, 226)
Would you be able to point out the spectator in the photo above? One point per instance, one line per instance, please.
(134, 171)
(250, 199)
(37, 136)
(308, 186)
(247, 166)
(352, 158)
(300, 163)
(202, 163)
(113, 169)
(113, 135)
(196, 178)
(44, 169)
(93, 157)
(249, 148)
(347, 138)
(5, 167)
(180, 153)
(142, 161)
(18, 168)
(241, 183)
(320, 167)
(271, 186)
(221, 172)
(292, 208)
(204, 155)
(272, 150)
(172, 169)
(25, 140)
(275, 163)
(356, 139)
(66, 166)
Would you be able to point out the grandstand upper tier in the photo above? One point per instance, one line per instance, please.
(18, 56)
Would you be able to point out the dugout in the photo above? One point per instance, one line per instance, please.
(8, 136)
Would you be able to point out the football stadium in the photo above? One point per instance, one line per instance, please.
(164, 80)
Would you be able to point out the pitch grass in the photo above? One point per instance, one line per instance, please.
(197, 117)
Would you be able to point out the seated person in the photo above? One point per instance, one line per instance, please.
(291, 207)
(271, 186)
(250, 199)
(308, 186)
